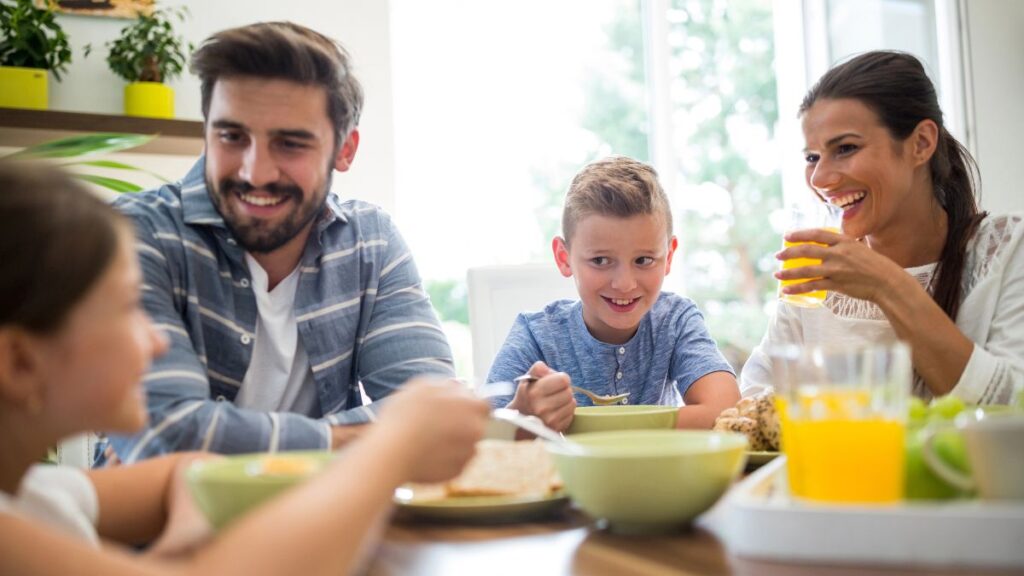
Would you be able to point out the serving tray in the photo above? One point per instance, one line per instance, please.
(760, 519)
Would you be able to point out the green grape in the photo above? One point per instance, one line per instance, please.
(920, 482)
(917, 411)
(947, 406)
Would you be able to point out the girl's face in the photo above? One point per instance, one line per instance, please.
(95, 362)
(853, 162)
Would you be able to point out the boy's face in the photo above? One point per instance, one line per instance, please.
(619, 265)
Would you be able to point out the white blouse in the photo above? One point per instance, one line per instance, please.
(991, 315)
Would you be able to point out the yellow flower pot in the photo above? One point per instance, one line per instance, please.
(23, 87)
(150, 99)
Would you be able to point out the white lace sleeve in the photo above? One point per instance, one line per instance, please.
(992, 314)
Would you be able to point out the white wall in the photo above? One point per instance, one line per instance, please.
(362, 26)
(995, 47)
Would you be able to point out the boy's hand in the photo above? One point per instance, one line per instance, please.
(439, 423)
(549, 398)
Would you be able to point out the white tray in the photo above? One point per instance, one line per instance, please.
(760, 519)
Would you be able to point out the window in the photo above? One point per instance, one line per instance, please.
(498, 105)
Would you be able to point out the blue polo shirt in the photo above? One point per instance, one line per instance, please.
(669, 352)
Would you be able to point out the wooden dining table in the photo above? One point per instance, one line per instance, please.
(570, 543)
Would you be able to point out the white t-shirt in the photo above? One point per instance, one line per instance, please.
(61, 497)
(279, 378)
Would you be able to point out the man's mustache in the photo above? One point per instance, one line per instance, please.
(232, 186)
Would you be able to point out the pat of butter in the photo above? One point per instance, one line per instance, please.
(285, 466)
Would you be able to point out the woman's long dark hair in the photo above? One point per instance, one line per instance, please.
(56, 240)
(895, 87)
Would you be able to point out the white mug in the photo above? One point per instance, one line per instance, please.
(994, 450)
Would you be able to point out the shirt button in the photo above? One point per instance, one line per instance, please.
(244, 282)
(618, 376)
(221, 398)
(232, 241)
(245, 339)
(622, 351)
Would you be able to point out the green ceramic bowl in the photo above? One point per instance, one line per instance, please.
(607, 418)
(226, 488)
(649, 481)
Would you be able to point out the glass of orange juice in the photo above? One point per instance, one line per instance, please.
(802, 216)
(842, 412)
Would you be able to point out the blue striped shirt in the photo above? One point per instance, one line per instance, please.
(361, 311)
(669, 352)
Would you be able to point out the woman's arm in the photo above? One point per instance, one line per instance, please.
(940, 350)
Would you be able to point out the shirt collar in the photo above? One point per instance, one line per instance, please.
(197, 208)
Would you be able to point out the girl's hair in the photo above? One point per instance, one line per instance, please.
(896, 88)
(56, 240)
(614, 186)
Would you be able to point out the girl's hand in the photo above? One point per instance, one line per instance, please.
(186, 529)
(437, 423)
(847, 266)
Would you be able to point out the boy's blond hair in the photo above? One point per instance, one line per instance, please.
(614, 186)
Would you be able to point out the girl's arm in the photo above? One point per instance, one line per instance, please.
(134, 501)
(321, 527)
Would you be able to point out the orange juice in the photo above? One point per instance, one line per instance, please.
(807, 299)
(837, 450)
(789, 448)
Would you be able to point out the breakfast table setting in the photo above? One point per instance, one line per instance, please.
(836, 470)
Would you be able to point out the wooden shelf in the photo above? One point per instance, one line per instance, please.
(19, 128)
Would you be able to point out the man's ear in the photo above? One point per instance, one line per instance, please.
(924, 140)
(561, 253)
(673, 243)
(347, 152)
(20, 369)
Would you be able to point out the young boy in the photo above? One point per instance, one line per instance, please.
(623, 334)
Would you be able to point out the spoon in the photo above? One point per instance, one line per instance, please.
(535, 426)
(598, 399)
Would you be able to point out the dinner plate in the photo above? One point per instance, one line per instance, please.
(756, 459)
(479, 509)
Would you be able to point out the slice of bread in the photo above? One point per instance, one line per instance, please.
(499, 468)
(505, 468)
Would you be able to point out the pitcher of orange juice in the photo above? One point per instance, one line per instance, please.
(842, 412)
(802, 216)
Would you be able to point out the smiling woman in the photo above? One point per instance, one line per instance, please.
(915, 260)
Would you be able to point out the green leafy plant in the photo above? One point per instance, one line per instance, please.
(148, 49)
(31, 37)
(66, 150)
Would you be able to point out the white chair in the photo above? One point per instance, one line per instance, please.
(498, 293)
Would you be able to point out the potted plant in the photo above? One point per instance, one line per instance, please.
(31, 42)
(147, 54)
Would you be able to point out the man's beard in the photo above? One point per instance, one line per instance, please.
(260, 236)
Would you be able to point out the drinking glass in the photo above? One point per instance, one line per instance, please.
(842, 412)
(802, 216)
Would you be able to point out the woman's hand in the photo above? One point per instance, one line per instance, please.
(847, 266)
